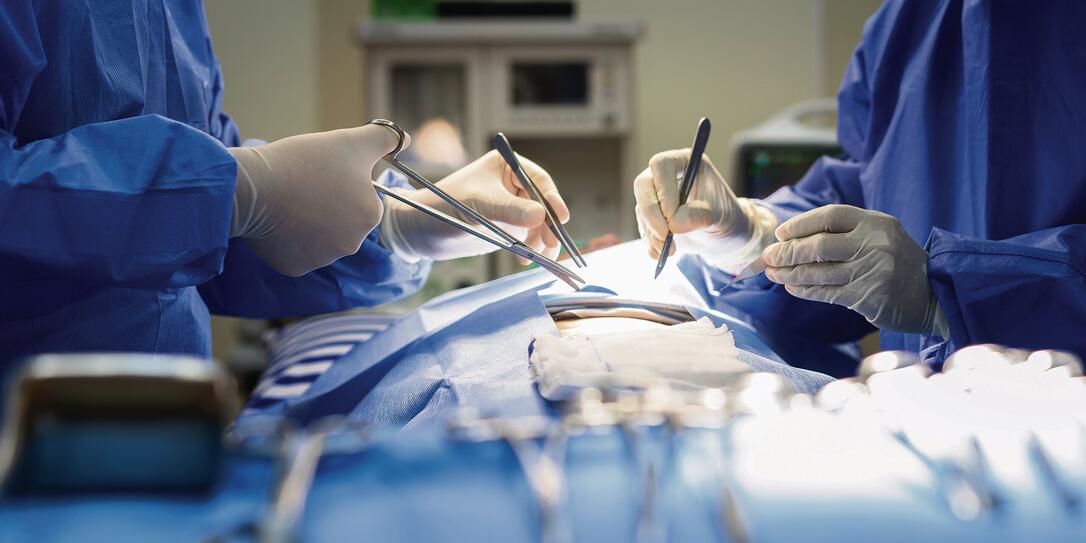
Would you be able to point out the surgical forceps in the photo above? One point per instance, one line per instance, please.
(963, 485)
(500, 237)
(501, 144)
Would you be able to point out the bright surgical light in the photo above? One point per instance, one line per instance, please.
(1040, 361)
(885, 361)
(837, 393)
(713, 398)
(974, 357)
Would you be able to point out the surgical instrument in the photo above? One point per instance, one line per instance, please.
(692, 169)
(501, 144)
(541, 463)
(964, 483)
(502, 240)
(300, 455)
(299, 466)
(750, 270)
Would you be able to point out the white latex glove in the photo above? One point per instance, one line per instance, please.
(860, 259)
(305, 201)
(488, 186)
(726, 231)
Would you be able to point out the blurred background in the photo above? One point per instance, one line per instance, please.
(590, 89)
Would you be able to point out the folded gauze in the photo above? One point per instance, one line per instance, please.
(687, 356)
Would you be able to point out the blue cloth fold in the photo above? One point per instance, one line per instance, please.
(469, 348)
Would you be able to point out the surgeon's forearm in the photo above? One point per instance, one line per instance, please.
(394, 232)
(244, 209)
(748, 245)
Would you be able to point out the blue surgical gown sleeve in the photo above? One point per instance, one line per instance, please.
(139, 202)
(372, 276)
(831, 180)
(1007, 291)
(249, 288)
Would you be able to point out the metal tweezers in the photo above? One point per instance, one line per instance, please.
(500, 237)
(501, 144)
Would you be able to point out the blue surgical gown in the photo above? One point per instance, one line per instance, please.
(966, 120)
(116, 189)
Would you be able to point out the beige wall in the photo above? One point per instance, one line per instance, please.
(291, 65)
(268, 50)
(340, 63)
(735, 62)
(844, 21)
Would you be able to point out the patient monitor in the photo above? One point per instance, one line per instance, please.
(779, 151)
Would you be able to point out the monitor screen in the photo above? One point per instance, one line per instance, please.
(550, 83)
(767, 168)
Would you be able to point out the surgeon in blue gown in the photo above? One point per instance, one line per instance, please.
(955, 216)
(129, 208)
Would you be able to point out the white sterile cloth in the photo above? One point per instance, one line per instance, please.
(686, 356)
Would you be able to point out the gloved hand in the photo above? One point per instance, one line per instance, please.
(489, 187)
(726, 231)
(860, 259)
(305, 201)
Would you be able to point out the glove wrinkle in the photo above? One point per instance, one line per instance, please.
(305, 201)
(887, 275)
